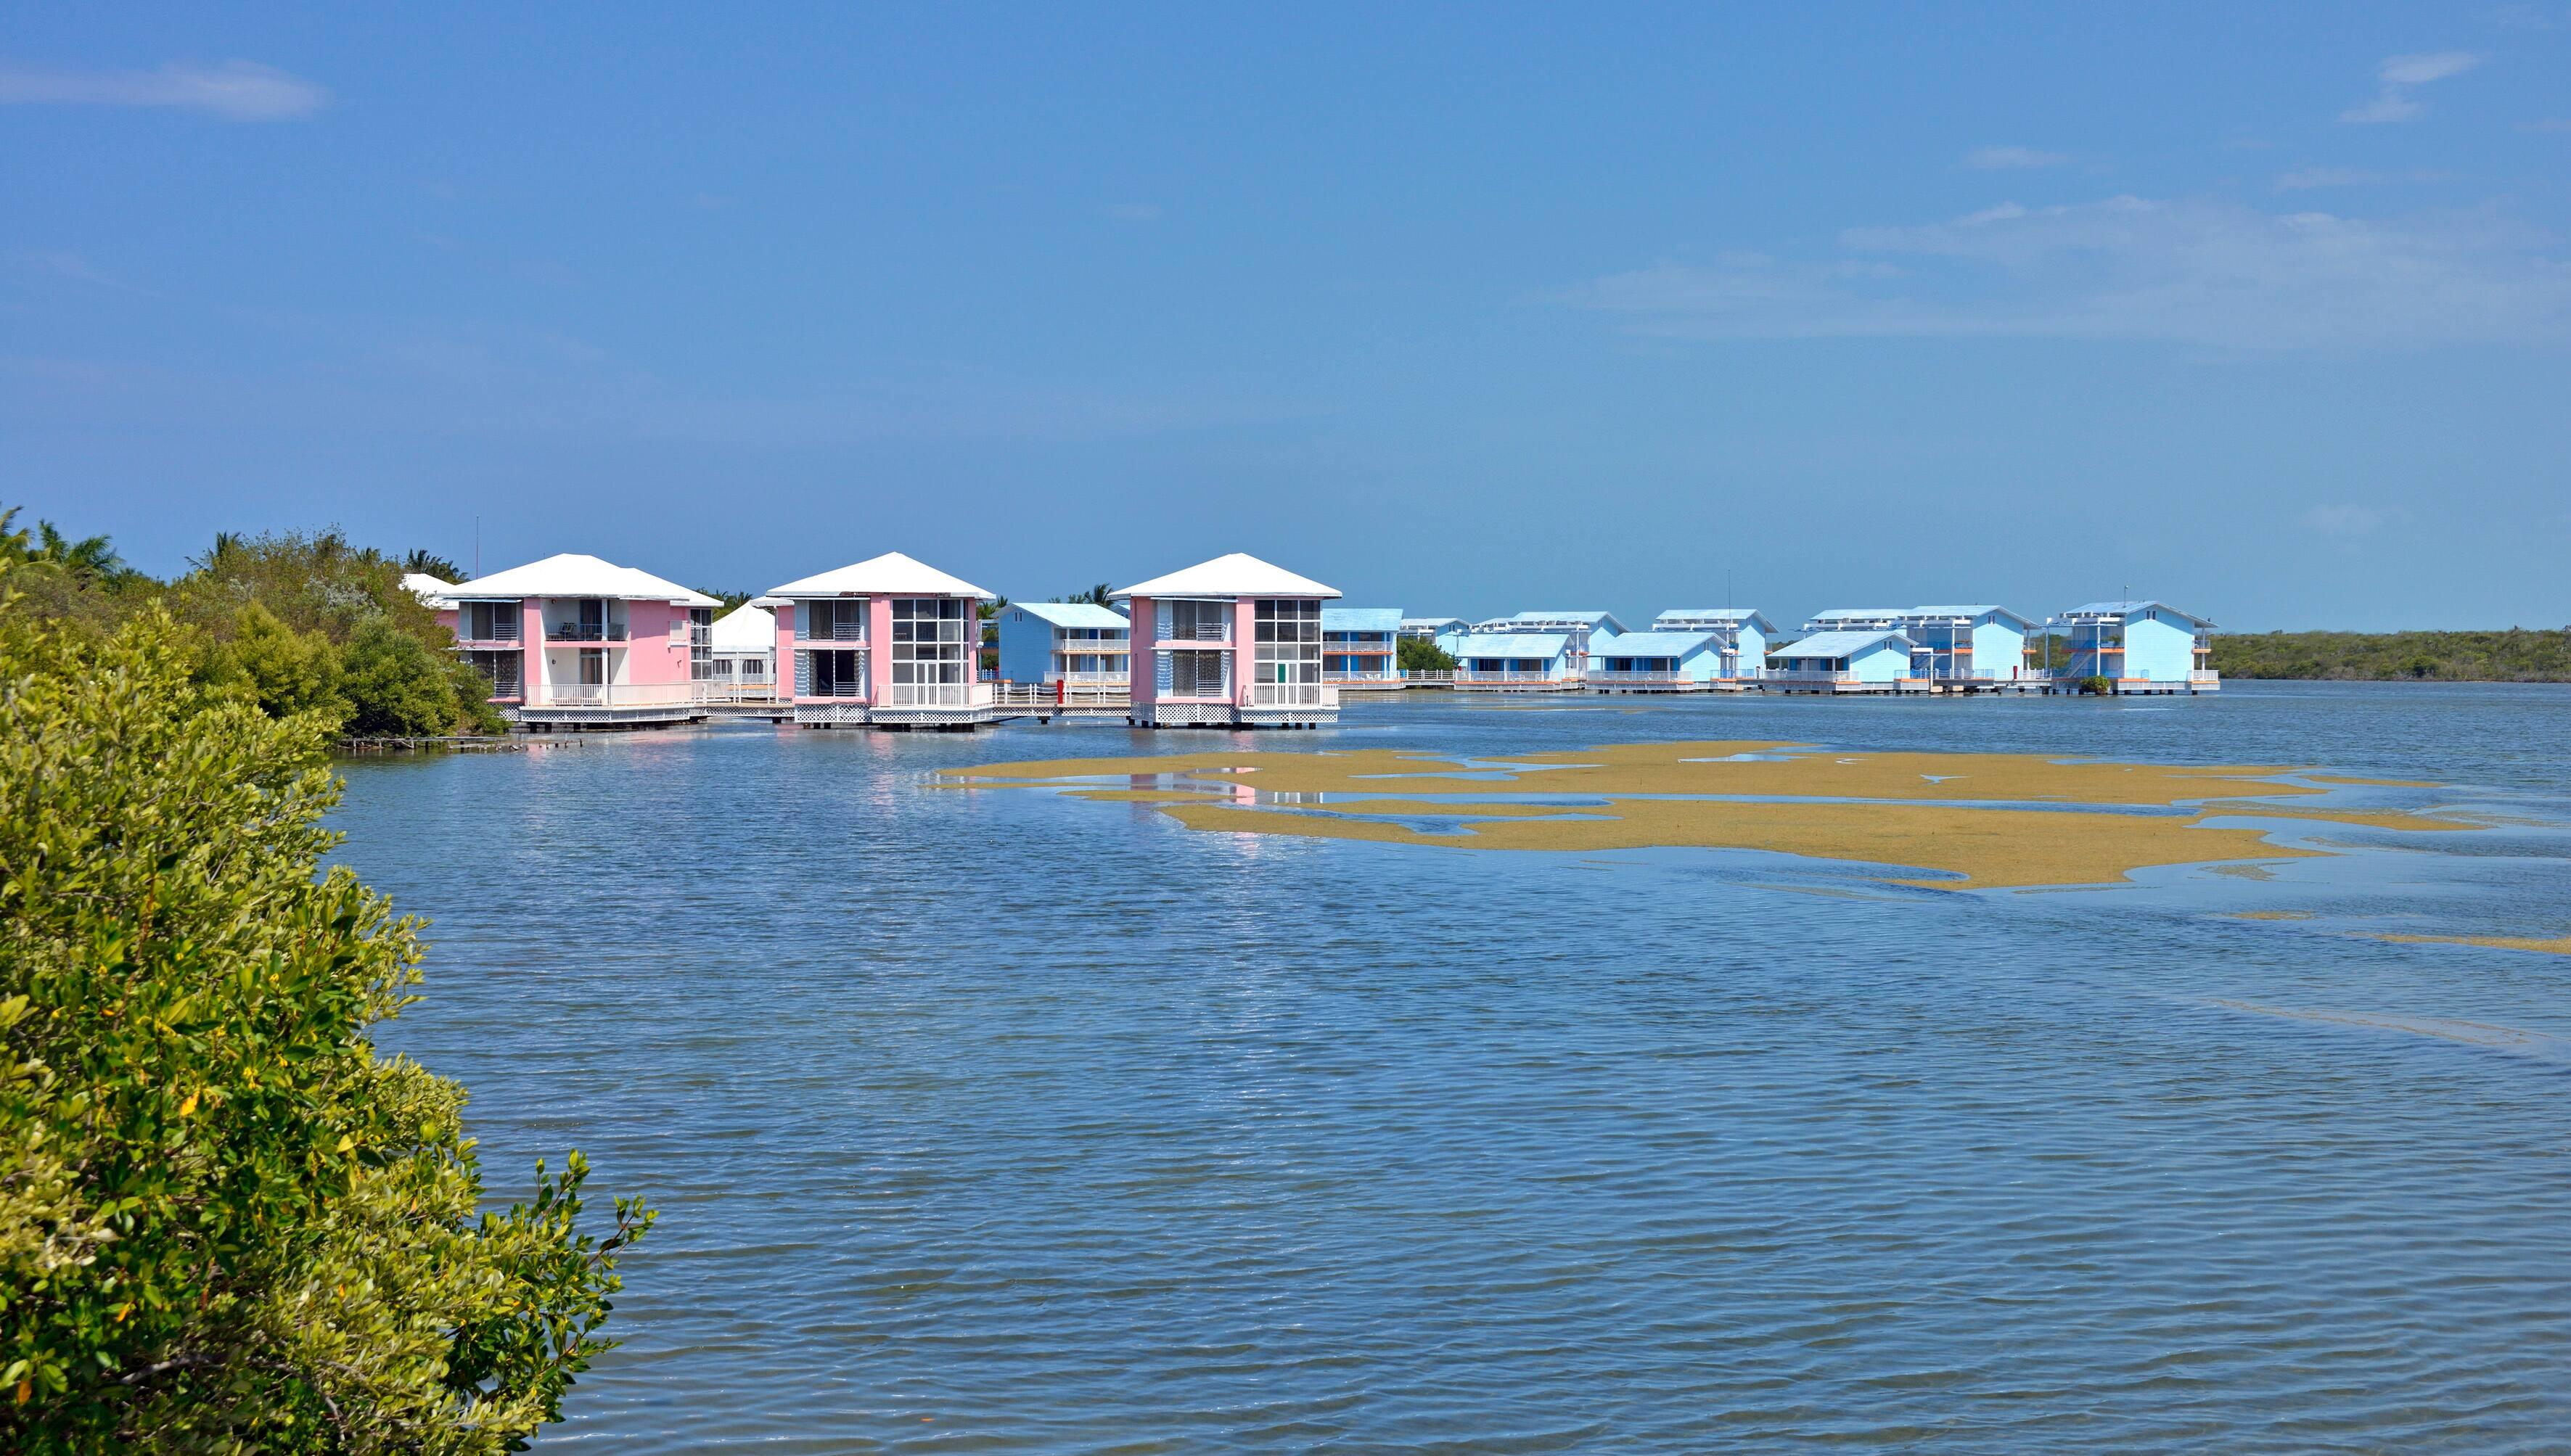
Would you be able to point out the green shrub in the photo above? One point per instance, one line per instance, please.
(225, 1223)
(396, 684)
(283, 671)
(1417, 654)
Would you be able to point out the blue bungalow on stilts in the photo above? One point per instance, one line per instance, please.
(1739, 641)
(1841, 661)
(1517, 662)
(1970, 648)
(2138, 647)
(1655, 662)
(1357, 646)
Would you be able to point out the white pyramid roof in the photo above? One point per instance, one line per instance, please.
(1236, 575)
(573, 575)
(427, 587)
(746, 629)
(889, 575)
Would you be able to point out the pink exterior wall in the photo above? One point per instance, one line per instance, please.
(1142, 642)
(788, 617)
(1244, 648)
(879, 649)
(651, 656)
(531, 649)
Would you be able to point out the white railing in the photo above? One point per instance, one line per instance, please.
(1468, 675)
(2204, 675)
(1428, 675)
(1293, 695)
(840, 632)
(1793, 675)
(719, 691)
(853, 687)
(621, 694)
(938, 695)
(1062, 694)
(510, 642)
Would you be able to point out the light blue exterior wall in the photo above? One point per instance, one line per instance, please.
(1999, 650)
(1884, 662)
(1752, 659)
(1027, 644)
(2158, 647)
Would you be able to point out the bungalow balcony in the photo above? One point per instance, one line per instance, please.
(833, 632)
(585, 632)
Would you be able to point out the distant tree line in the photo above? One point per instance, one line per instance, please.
(2514, 656)
(297, 622)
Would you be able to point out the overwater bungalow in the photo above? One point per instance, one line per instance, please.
(1841, 661)
(1580, 627)
(1357, 646)
(1066, 646)
(1433, 629)
(1519, 662)
(1656, 662)
(885, 643)
(1235, 643)
(1969, 649)
(572, 641)
(2138, 647)
(745, 651)
(1741, 636)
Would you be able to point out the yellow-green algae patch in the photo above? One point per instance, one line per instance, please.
(1948, 814)
(2269, 916)
(1986, 848)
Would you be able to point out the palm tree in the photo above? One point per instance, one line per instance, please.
(90, 560)
(429, 563)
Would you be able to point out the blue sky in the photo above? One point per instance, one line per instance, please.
(1464, 310)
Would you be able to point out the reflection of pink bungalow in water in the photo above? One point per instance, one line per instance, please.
(573, 642)
(886, 643)
(1231, 643)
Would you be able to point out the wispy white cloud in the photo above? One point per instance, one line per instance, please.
(2398, 74)
(2348, 522)
(240, 91)
(2011, 158)
(2192, 272)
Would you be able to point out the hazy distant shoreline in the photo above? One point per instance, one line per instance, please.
(2516, 655)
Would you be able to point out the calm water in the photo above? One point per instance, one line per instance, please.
(995, 1120)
